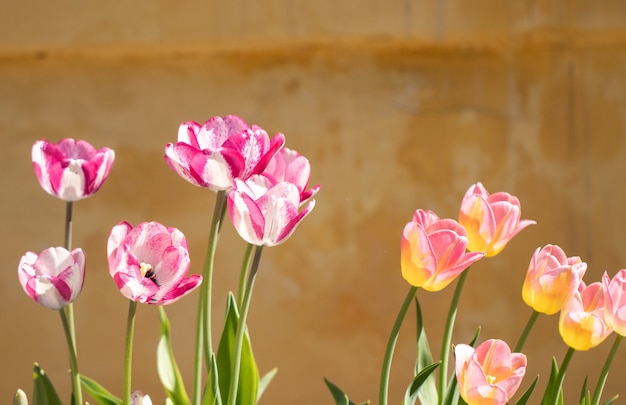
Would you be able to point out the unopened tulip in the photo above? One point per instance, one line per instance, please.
(615, 301)
(581, 323)
(221, 150)
(433, 251)
(552, 279)
(489, 374)
(149, 263)
(266, 216)
(491, 220)
(71, 170)
(53, 278)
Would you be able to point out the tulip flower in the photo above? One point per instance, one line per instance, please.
(552, 279)
(433, 251)
(290, 166)
(54, 278)
(139, 398)
(149, 263)
(615, 301)
(71, 170)
(266, 216)
(581, 323)
(489, 374)
(212, 155)
(491, 220)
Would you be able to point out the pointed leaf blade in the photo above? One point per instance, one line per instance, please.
(168, 370)
(98, 392)
(43, 390)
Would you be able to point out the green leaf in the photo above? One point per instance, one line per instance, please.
(610, 401)
(248, 372)
(98, 392)
(265, 381)
(524, 398)
(428, 393)
(212, 389)
(584, 393)
(338, 395)
(43, 390)
(412, 391)
(168, 371)
(551, 383)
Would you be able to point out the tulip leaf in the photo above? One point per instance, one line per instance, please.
(523, 400)
(339, 396)
(265, 381)
(428, 392)
(247, 387)
(412, 391)
(168, 371)
(551, 390)
(98, 392)
(212, 389)
(610, 401)
(43, 390)
(585, 394)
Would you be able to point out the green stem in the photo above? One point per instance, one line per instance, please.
(529, 325)
(242, 275)
(391, 344)
(447, 335)
(66, 313)
(203, 321)
(128, 355)
(561, 376)
(68, 226)
(241, 328)
(605, 370)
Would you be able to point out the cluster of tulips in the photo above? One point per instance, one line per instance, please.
(264, 187)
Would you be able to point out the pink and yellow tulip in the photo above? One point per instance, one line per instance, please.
(71, 170)
(552, 279)
(221, 150)
(433, 251)
(615, 301)
(53, 278)
(581, 324)
(266, 216)
(491, 220)
(149, 263)
(489, 374)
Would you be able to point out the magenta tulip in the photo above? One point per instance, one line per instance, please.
(290, 166)
(149, 263)
(71, 170)
(552, 279)
(266, 216)
(221, 150)
(491, 220)
(54, 278)
(615, 301)
(489, 374)
(433, 251)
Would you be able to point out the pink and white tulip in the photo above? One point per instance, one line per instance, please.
(433, 251)
(71, 170)
(221, 150)
(581, 324)
(290, 166)
(53, 278)
(552, 279)
(489, 374)
(139, 398)
(266, 216)
(491, 220)
(615, 301)
(149, 263)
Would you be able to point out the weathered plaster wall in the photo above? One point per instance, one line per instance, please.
(399, 105)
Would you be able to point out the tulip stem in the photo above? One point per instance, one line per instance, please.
(68, 225)
(128, 355)
(242, 327)
(66, 314)
(447, 335)
(242, 275)
(605, 370)
(529, 325)
(391, 344)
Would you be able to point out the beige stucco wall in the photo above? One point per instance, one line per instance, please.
(398, 105)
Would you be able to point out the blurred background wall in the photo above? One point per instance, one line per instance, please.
(398, 104)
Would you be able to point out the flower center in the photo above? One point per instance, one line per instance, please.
(490, 379)
(146, 271)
